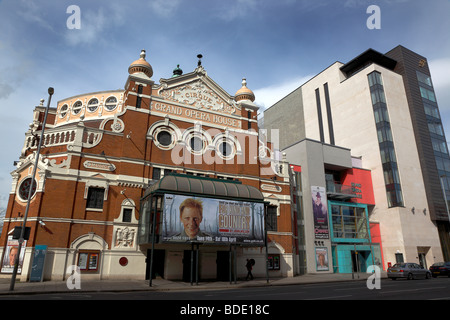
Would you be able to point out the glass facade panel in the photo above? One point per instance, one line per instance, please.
(349, 222)
(427, 94)
(431, 110)
(423, 78)
(387, 150)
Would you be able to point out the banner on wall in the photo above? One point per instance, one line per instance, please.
(320, 212)
(215, 221)
(322, 263)
(10, 254)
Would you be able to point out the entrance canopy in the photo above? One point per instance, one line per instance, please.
(207, 187)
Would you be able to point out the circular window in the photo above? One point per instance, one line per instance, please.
(196, 144)
(24, 188)
(76, 108)
(225, 149)
(92, 105)
(164, 138)
(63, 111)
(111, 103)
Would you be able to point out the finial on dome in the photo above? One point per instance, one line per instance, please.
(244, 93)
(141, 66)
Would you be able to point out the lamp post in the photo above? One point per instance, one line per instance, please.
(30, 192)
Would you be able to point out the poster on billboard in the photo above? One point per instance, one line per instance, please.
(320, 212)
(322, 259)
(10, 255)
(214, 221)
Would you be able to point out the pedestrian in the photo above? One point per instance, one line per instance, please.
(249, 267)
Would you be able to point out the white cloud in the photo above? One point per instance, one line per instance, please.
(441, 82)
(268, 96)
(32, 12)
(440, 72)
(237, 9)
(164, 8)
(96, 25)
(91, 28)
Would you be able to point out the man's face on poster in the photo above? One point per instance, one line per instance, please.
(191, 219)
(14, 252)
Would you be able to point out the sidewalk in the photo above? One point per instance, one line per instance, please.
(165, 285)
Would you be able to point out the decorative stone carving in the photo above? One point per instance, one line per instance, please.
(200, 96)
(124, 237)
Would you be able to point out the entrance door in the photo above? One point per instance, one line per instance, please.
(223, 265)
(189, 258)
(359, 260)
(158, 263)
(423, 260)
(355, 261)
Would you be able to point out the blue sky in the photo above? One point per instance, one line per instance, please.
(276, 45)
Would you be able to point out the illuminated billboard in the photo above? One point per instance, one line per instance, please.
(215, 221)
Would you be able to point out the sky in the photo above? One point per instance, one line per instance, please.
(276, 45)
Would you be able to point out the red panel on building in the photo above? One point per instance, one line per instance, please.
(361, 182)
(375, 234)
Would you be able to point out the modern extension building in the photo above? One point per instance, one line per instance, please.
(383, 108)
(168, 179)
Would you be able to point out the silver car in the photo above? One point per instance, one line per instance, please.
(408, 271)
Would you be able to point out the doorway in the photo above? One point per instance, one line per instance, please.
(359, 260)
(190, 271)
(158, 263)
(423, 260)
(223, 265)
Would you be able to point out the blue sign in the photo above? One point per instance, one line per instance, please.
(37, 267)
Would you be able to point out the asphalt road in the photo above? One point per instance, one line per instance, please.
(323, 299)
(431, 289)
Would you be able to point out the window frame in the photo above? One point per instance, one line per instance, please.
(108, 104)
(76, 107)
(347, 227)
(93, 107)
(63, 113)
(87, 264)
(273, 262)
(97, 200)
(272, 218)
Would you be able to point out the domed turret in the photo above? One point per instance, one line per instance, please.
(177, 71)
(141, 65)
(244, 93)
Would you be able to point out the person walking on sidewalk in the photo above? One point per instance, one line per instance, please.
(249, 267)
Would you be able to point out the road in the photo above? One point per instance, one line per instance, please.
(431, 289)
(271, 302)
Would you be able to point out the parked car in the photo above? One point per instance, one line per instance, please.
(440, 269)
(408, 271)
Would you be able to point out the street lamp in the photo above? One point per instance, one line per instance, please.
(30, 192)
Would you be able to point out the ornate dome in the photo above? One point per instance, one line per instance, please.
(141, 65)
(244, 93)
(177, 71)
